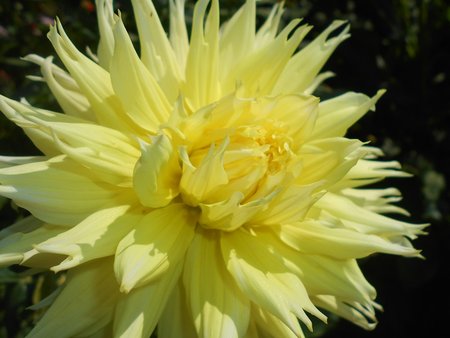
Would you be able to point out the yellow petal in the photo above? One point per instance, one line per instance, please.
(198, 183)
(365, 221)
(307, 63)
(178, 33)
(105, 18)
(202, 85)
(314, 238)
(57, 191)
(269, 29)
(344, 310)
(176, 311)
(156, 51)
(237, 38)
(338, 114)
(14, 246)
(138, 312)
(276, 54)
(261, 275)
(270, 324)
(64, 88)
(94, 82)
(95, 237)
(157, 173)
(141, 96)
(218, 307)
(156, 243)
(89, 295)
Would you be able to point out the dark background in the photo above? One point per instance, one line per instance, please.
(399, 45)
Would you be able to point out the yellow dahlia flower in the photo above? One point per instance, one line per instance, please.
(200, 187)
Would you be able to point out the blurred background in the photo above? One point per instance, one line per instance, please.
(400, 45)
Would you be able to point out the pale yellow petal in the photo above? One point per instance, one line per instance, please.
(269, 29)
(338, 114)
(14, 246)
(365, 221)
(202, 86)
(307, 63)
(89, 296)
(257, 270)
(237, 37)
(138, 312)
(156, 243)
(141, 96)
(94, 82)
(218, 307)
(156, 51)
(65, 90)
(271, 325)
(198, 183)
(178, 33)
(313, 238)
(157, 173)
(252, 73)
(105, 19)
(95, 237)
(57, 191)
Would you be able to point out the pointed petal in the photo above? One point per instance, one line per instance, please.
(157, 242)
(338, 114)
(267, 322)
(57, 191)
(95, 237)
(218, 307)
(89, 295)
(108, 152)
(94, 82)
(202, 68)
(365, 221)
(178, 33)
(105, 19)
(14, 246)
(156, 51)
(157, 173)
(238, 37)
(64, 88)
(307, 63)
(140, 94)
(276, 54)
(261, 275)
(313, 238)
(197, 183)
(138, 312)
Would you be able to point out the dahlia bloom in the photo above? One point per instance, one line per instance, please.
(199, 188)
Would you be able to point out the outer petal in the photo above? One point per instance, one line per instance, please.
(261, 275)
(64, 88)
(95, 237)
(94, 82)
(219, 309)
(202, 86)
(156, 51)
(338, 114)
(308, 62)
(312, 237)
(137, 312)
(159, 241)
(270, 324)
(57, 191)
(144, 101)
(157, 173)
(178, 33)
(14, 246)
(89, 296)
(105, 18)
